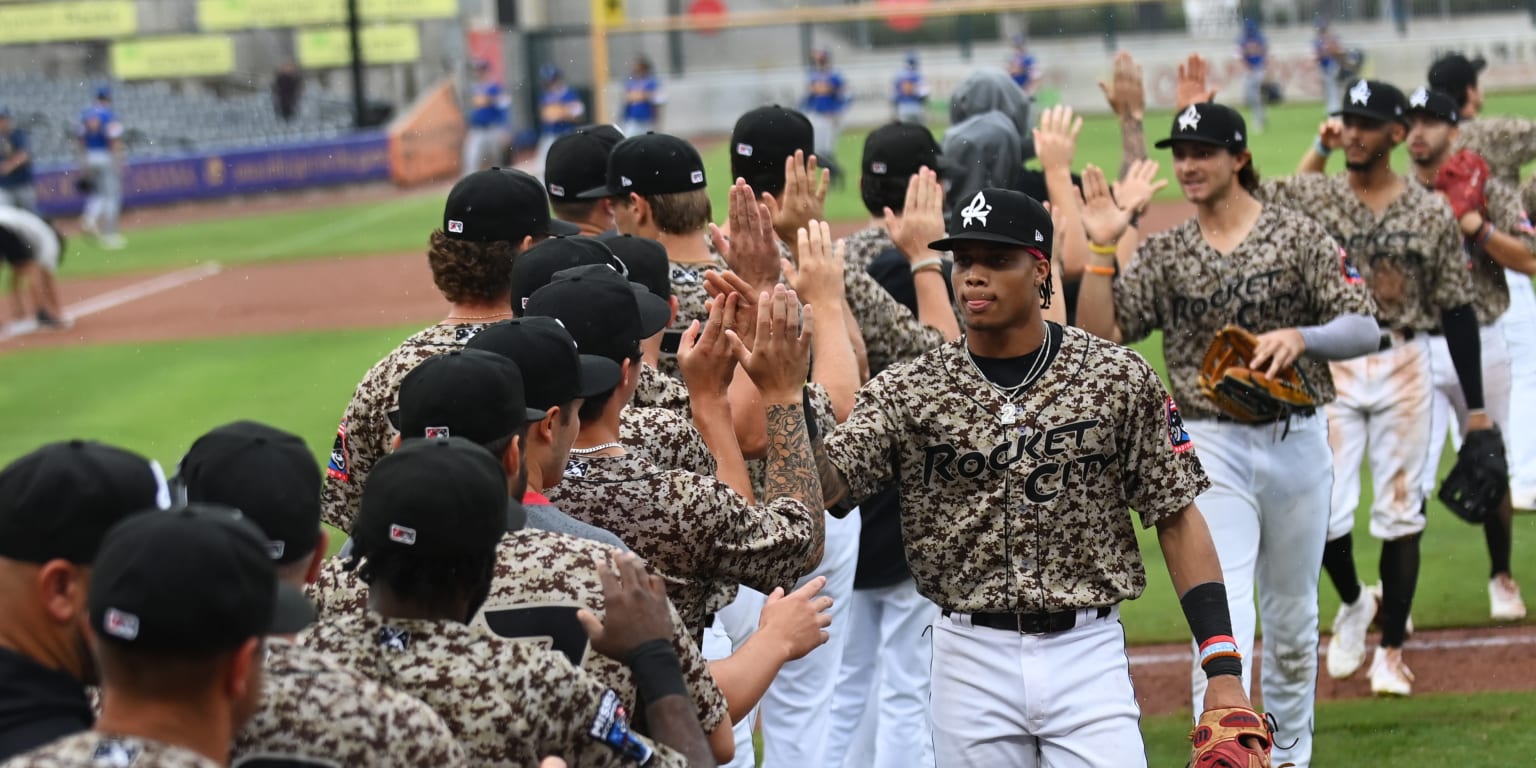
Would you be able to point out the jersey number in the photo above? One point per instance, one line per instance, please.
(554, 624)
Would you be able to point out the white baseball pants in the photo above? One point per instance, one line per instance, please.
(1267, 509)
(733, 625)
(1383, 411)
(1063, 700)
(880, 705)
(1519, 325)
(1448, 407)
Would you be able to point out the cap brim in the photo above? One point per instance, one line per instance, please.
(393, 416)
(598, 375)
(1368, 114)
(560, 228)
(655, 312)
(1172, 140)
(535, 414)
(292, 611)
(948, 243)
(599, 193)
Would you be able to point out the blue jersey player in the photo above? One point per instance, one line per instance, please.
(560, 109)
(910, 93)
(825, 101)
(486, 142)
(101, 144)
(1022, 67)
(642, 99)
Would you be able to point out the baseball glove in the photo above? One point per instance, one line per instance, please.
(1231, 737)
(1248, 395)
(1461, 179)
(1478, 482)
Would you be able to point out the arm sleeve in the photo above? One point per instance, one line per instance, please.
(1463, 338)
(863, 447)
(763, 545)
(1509, 214)
(1342, 338)
(1138, 310)
(892, 333)
(362, 439)
(1162, 476)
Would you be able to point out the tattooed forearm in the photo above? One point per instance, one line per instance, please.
(791, 466)
(1133, 145)
(834, 488)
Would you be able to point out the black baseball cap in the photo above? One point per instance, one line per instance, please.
(499, 205)
(554, 372)
(1375, 100)
(578, 161)
(58, 502)
(1209, 123)
(605, 313)
(193, 580)
(763, 138)
(898, 150)
(437, 497)
(267, 474)
(535, 267)
(650, 164)
(647, 262)
(465, 393)
(999, 216)
(1435, 104)
(1454, 73)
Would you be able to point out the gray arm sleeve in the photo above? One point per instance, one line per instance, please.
(1341, 338)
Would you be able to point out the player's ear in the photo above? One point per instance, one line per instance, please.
(1399, 133)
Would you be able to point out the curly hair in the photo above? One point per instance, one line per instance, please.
(466, 271)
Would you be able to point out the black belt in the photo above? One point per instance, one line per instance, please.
(1386, 337)
(1225, 419)
(1030, 623)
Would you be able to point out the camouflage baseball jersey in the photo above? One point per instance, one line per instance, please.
(509, 703)
(665, 437)
(316, 711)
(1033, 516)
(1410, 257)
(658, 390)
(1528, 195)
(698, 534)
(861, 247)
(365, 432)
(1507, 143)
(93, 749)
(1489, 285)
(1286, 273)
(688, 289)
(541, 579)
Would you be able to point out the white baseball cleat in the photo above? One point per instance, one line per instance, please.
(1389, 675)
(1346, 649)
(1504, 603)
(113, 242)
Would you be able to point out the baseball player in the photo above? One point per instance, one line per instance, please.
(1498, 237)
(1507, 143)
(490, 216)
(1406, 247)
(909, 94)
(576, 162)
(1253, 47)
(180, 603)
(427, 538)
(1275, 273)
(101, 146)
(825, 100)
(314, 711)
(33, 248)
(643, 98)
(16, 187)
(560, 109)
(1023, 68)
(1018, 450)
(489, 122)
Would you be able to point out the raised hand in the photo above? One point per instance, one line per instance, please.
(797, 621)
(922, 216)
(1103, 220)
(753, 249)
(704, 356)
(818, 279)
(1126, 95)
(1192, 88)
(1135, 191)
(780, 360)
(804, 196)
(740, 315)
(1056, 138)
(1330, 133)
(635, 604)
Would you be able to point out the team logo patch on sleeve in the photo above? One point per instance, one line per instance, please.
(1524, 224)
(610, 726)
(1347, 267)
(337, 466)
(1178, 437)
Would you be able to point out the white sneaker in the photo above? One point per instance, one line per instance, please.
(113, 242)
(1407, 626)
(1346, 649)
(1389, 675)
(21, 327)
(1523, 499)
(1504, 603)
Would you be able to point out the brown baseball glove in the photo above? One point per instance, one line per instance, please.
(1248, 395)
(1231, 737)
(1461, 179)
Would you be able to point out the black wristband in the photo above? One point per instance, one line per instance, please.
(1223, 666)
(1205, 608)
(657, 671)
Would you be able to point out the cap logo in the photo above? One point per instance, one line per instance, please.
(120, 624)
(276, 549)
(978, 209)
(1189, 120)
(1237, 135)
(697, 177)
(1039, 238)
(745, 150)
(1360, 94)
(625, 181)
(402, 535)
(455, 226)
(556, 189)
(1420, 98)
(436, 432)
(877, 168)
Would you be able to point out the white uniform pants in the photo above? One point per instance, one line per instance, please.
(824, 129)
(1383, 411)
(880, 706)
(1448, 409)
(797, 710)
(637, 127)
(733, 625)
(105, 203)
(1519, 325)
(1063, 700)
(911, 112)
(483, 148)
(1267, 509)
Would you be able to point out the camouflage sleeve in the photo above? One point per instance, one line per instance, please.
(420, 737)
(658, 390)
(1528, 195)
(1138, 310)
(1507, 142)
(362, 439)
(586, 722)
(1334, 286)
(1299, 192)
(1162, 475)
(1447, 270)
(1509, 214)
(762, 545)
(667, 439)
(863, 446)
(892, 334)
(708, 701)
(337, 591)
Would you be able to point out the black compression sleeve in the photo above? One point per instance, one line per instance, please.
(1463, 338)
(656, 669)
(1205, 608)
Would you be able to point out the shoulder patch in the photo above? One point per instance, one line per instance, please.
(1178, 437)
(610, 726)
(115, 753)
(394, 639)
(336, 467)
(1347, 266)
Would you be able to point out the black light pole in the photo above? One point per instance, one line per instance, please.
(354, 38)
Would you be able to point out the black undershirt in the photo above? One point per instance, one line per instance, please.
(1009, 371)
